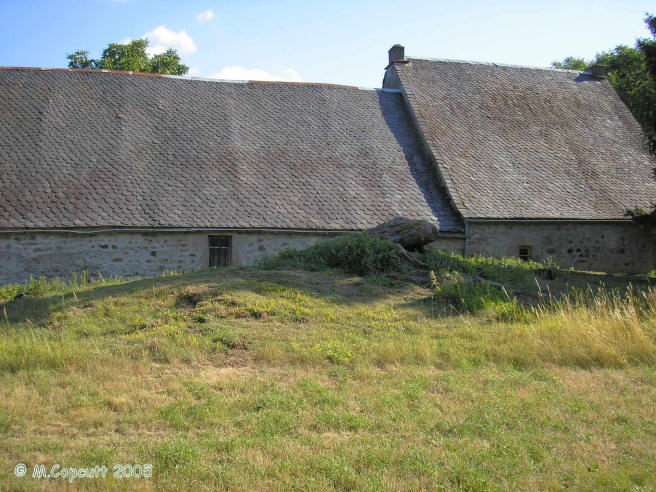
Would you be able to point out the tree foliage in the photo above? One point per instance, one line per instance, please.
(628, 74)
(632, 73)
(648, 46)
(130, 56)
(641, 216)
(80, 59)
(571, 63)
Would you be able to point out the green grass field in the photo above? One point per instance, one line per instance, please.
(246, 379)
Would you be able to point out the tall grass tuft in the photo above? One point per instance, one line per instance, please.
(42, 286)
(459, 293)
(583, 327)
(592, 328)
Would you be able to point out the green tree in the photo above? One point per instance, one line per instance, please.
(571, 63)
(648, 46)
(168, 62)
(80, 59)
(130, 56)
(629, 76)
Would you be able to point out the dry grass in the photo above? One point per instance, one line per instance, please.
(251, 380)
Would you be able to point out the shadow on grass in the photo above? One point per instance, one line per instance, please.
(607, 280)
(334, 285)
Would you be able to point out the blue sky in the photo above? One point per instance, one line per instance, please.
(342, 42)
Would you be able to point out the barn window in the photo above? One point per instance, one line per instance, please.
(220, 251)
(526, 253)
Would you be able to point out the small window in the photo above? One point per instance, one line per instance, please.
(526, 253)
(220, 251)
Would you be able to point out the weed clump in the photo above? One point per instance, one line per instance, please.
(44, 286)
(356, 253)
(465, 295)
(335, 352)
(504, 270)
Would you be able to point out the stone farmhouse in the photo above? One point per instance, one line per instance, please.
(135, 174)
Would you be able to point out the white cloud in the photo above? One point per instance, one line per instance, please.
(205, 16)
(161, 38)
(193, 72)
(241, 73)
(125, 41)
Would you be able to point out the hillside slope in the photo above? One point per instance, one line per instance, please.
(247, 379)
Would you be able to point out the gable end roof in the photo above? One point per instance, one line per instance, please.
(527, 143)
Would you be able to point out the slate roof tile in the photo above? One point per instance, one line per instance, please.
(120, 150)
(529, 143)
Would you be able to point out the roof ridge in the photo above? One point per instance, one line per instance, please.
(494, 64)
(91, 70)
(204, 79)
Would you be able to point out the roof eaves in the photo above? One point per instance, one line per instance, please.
(547, 219)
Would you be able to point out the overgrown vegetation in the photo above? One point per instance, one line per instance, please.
(355, 253)
(247, 379)
(460, 284)
(641, 216)
(41, 286)
(513, 271)
(462, 294)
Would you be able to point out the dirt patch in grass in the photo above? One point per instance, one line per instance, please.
(190, 297)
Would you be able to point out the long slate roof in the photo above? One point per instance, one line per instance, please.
(95, 149)
(527, 143)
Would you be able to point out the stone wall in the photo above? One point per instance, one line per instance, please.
(452, 244)
(248, 248)
(613, 247)
(129, 253)
(608, 246)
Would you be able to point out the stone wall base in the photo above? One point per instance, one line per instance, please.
(603, 246)
(57, 254)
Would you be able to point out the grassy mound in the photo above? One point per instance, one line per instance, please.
(245, 379)
(451, 275)
(505, 288)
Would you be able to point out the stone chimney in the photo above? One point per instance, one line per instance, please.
(397, 54)
(391, 79)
